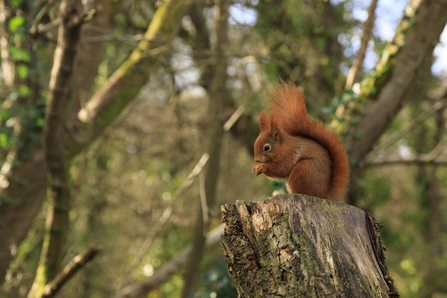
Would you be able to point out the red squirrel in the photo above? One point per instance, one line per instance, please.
(294, 147)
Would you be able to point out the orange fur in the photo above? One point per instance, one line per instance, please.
(302, 150)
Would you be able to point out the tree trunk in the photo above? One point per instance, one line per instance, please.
(57, 223)
(28, 188)
(385, 90)
(301, 246)
(8, 65)
(215, 132)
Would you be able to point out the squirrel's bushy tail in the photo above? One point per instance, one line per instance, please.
(287, 108)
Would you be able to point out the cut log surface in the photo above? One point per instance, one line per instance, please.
(301, 246)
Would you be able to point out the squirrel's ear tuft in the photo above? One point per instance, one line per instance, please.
(276, 134)
(263, 121)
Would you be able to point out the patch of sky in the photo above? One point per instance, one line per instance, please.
(243, 15)
(186, 74)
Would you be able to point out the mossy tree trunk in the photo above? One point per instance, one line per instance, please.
(368, 114)
(300, 246)
(104, 106)
(58, 193)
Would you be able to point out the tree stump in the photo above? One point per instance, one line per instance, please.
(301, 246)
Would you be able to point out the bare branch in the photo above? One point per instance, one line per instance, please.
(34, 29)
(82, 18)
(49, 26)
(418, 120)
(69, 270)
(431, 158)
(440, 146)
(357, 65)
(234, 117)
(204, 205)
(418, 160)
(153, 53)
(398, 64)
(123, 86)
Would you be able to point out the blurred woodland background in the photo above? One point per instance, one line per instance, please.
(141, 96)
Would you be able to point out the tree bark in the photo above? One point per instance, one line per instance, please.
(215, 135)
(125, 83)
(57, 171)
(8, 65)
(28, 184)
(301, 246)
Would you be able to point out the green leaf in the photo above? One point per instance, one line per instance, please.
(15, 23)
(16, 3)
(3, 140)
(14, 51)
(22, 70)
(40, 122)
(5, 114)
(25, 56)
(24, 90)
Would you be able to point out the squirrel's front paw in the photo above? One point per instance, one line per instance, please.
(258, 169)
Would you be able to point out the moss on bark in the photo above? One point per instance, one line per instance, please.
(300, 246)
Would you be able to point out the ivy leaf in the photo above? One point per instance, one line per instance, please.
(25, 56)
(24, 90)
(3, 140)
(40, 122)
(22, 70)
(15, 23)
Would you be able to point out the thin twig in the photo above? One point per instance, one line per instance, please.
(418, 120)
(437, 150)
(203, 202)
(357, 65)
(42, 12)
(49, 26)
(418, 160)
(230, 122)
(153, 53)
(430, 158)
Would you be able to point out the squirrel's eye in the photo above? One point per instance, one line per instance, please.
(267, 148)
